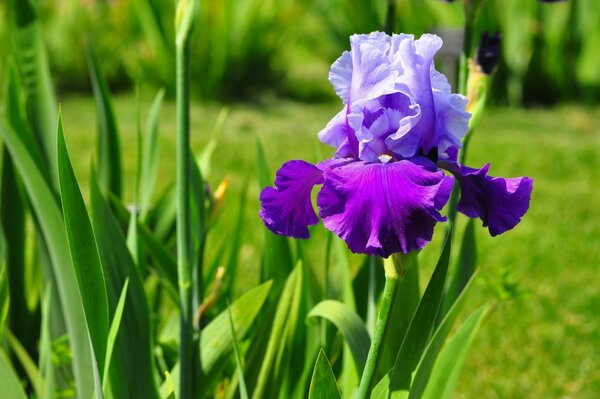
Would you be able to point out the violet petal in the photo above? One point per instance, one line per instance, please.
(380, 209)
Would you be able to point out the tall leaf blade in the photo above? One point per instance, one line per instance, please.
(350, 325)
(323, 384)
(451, 359)
(11, 386)
(216, 340)
(467, 260)
(84, 252)
(52, 227)
(132, 368)
(423, 370)
(150, 155)
(33, 64)
(108, 151)
(421, 325)
(279, 346)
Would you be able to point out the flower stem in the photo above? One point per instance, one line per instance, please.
(394, 271)
(184, 270)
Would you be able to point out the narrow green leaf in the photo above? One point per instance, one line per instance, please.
(132, 367)
(350, 325)
(421, 325)
(216, 339)
(236, 243)
(282, 333)
(205, 156)
(13, 214)
(46, 365)
(11, 386)
(451, 359)
(108, 151)
(465, 268)
(84, 252)
(323, 384)
(150, 156)
(34, 68)
(421, 376)
(164, 261)
(26, 362)
(4, 294)
(112, 333)
(52, 227)
(238, 358)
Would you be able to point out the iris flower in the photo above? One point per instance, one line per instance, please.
(399, 129)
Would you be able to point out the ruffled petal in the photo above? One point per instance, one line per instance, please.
(287, 208)
(372, 72)
(340, 76)
(500, 203)
(380, 209)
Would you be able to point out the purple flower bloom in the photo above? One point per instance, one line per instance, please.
(400, 127)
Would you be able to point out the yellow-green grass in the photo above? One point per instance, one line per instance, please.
(545, 342)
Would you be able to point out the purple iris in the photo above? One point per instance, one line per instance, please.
(400, 126)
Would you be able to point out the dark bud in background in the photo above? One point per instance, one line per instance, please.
(488, 52)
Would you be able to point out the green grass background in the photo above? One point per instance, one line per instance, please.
(543, 342)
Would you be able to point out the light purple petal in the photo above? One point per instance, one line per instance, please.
(287, 208)
(379, 209)
(336, 130)
(340, 76)
(372, 73)
(500, 203)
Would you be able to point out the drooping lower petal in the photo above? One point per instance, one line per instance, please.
(500, 203)
(287, 208)
(380, 209)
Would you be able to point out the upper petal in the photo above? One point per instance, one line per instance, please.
(500, 203)
(287, 208)
(372, 72)
(379, 209)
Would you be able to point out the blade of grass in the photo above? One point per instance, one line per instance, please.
(217, 341)
(132, 368)
(284, 325)
(52, 227)
(46, 365)
(11, 386)
(27, 363)
(323, 384)
(108, 148)
(150, 155)
(422, 324)
(446, 370)
(84, 252)
(112, 334)
(238, 357)
(33, 64)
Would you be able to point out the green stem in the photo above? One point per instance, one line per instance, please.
(184, 271)
(394, 271)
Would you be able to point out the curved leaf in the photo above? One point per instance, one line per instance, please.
(350, 325)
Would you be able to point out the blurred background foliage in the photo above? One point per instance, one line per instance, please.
(244, 48)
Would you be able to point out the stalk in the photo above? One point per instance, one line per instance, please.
(394, 271)
(184, 22)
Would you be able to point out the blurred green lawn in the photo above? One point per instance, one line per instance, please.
(545, 343)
